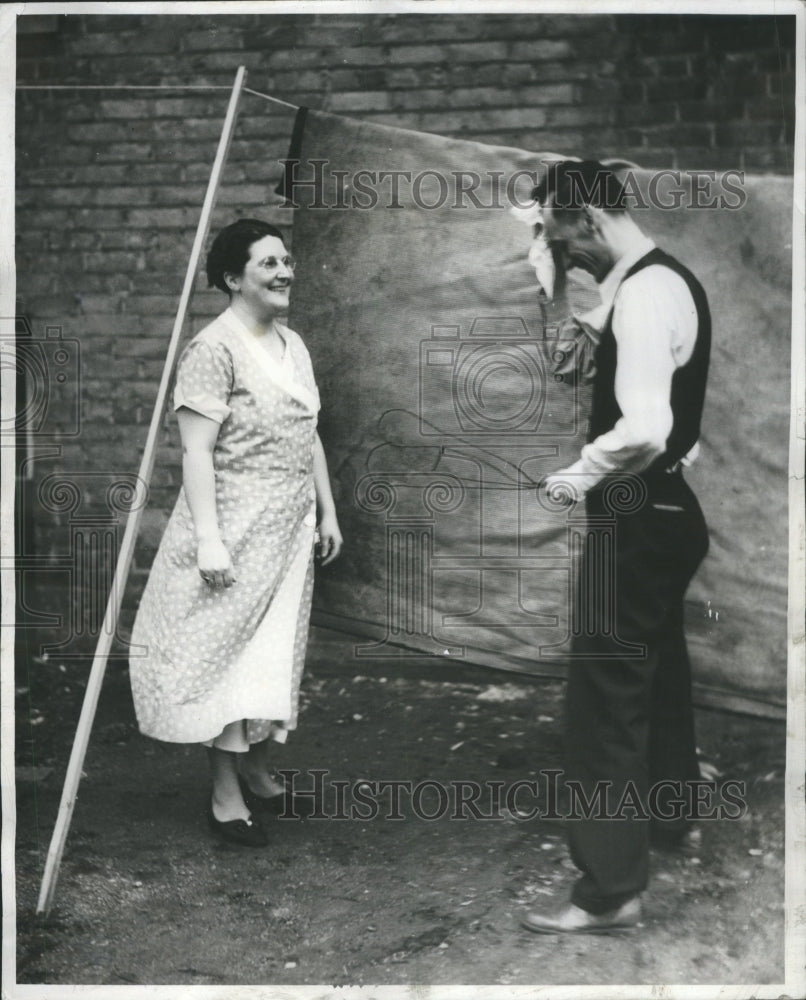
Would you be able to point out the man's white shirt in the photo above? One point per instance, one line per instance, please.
(655, 327)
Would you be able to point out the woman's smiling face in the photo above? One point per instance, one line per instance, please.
(264, 283)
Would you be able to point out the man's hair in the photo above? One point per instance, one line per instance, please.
(573, 184)
(230, 249)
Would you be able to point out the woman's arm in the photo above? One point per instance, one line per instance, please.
(199, 435)
(330, 539)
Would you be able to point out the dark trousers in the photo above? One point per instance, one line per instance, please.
(629, 721)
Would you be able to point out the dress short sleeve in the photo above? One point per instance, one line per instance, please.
(204, 380)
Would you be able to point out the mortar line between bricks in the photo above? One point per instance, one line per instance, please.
(127, 86)
(146, 86)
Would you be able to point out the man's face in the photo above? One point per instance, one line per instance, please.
(575, 241)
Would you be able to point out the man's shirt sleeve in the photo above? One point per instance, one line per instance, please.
(655, 327)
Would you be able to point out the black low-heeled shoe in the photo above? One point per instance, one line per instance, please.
(248, 833)
(283, 803)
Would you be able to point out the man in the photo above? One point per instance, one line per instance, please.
(629, 721)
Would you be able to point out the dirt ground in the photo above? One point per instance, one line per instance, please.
(148, 895)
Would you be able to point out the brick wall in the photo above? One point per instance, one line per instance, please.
(110, 182)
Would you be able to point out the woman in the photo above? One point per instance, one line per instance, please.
(224, 616)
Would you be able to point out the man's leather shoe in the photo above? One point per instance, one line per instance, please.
(246, 832)
(574, 920)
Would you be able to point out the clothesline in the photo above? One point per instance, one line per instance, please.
(151, 86)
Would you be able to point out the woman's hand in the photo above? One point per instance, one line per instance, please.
(330, 540)
(215, 565)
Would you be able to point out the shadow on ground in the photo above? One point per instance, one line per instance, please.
(147, 895)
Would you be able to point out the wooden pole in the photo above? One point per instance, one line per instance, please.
(108, 630)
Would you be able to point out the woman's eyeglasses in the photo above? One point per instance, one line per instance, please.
(273, 263)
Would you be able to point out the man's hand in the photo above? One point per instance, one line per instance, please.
(560, 489)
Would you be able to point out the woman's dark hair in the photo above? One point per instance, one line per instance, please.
(230, 249)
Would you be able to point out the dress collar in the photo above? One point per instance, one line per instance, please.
(234, 322)
(282, 373)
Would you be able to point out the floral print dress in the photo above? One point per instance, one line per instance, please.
(203, 658)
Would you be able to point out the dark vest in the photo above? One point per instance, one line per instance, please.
(688, 381)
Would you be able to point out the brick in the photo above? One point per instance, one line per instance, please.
(103, 196)
(138, 345)
(694, 158)
(101, 303)
(593, 91)
(669, 42)
(39, 46)
(102, 23)
(565, 25)
(681, 89)
(686, 135)
(170, 195)
(747, 134)
(768, 160)
(113, 261)
(769, 109)
(640, 68)
(672, 66)
(409, 77)
(482, 52)
(312, 80)
(254, 194)
(129, 152)
(117, 326)
(709, 111)
(661, 157)
(748, 84)
(356, 78)
(576, 116)
(549, 94)
(334, 32)
(540, 140)
(185, 107)
(400, 119)
(213, 40)
(407, 29)
(614, 45)
(35, 284)
(464, 121)
(360, 101)
(37, 24)
(781, 84)
(304, 58)
(741, 34)
(161, 218)
(417, 54)
(106, 43)
(191, 172)
(539, 49)
(480, 97)
(129, 108)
